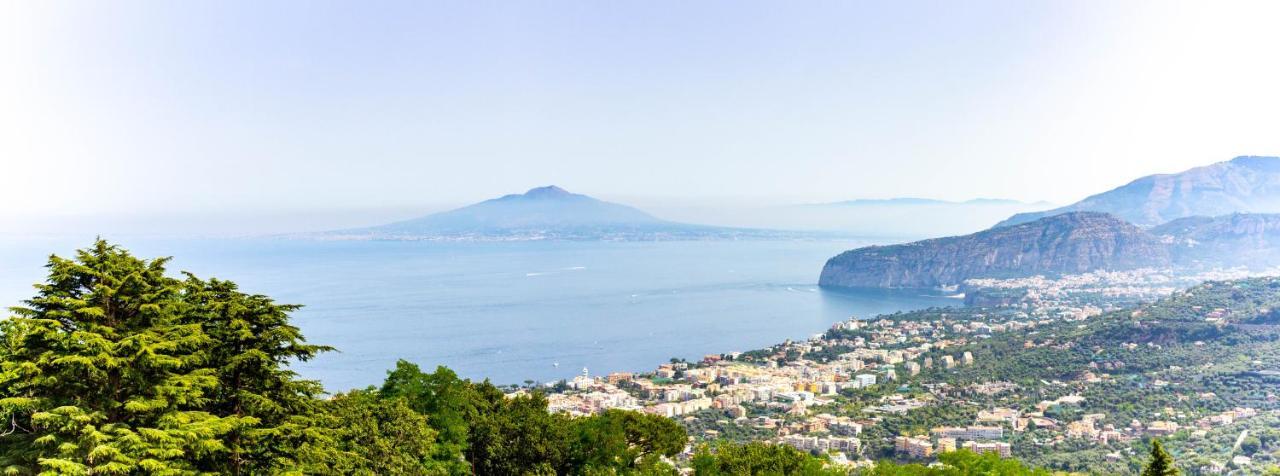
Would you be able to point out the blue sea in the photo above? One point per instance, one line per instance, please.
(514, 311)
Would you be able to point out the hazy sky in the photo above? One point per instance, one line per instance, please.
(174, 107)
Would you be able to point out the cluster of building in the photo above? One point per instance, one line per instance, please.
(978, 438)
(921, 447)
(1107, 286)
(845, 444)
(1226, 418)
(856, 355)
(787, 390)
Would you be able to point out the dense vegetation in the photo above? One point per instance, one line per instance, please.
(962, 462)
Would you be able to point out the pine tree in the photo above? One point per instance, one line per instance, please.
(99, 373)
(1161, 463)
(252, 344)
(115, 368)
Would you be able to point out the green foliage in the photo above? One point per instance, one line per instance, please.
(968, 462)
(103, 372)
(251, 343)
(517, 436)
(447, 401)
(115, 368)
(758, 459)
(959, 463)
(1250, 445)
(501, 435)
(379, 436)
(625, 442)
(1161, 463)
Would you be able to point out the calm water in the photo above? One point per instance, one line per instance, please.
(511, 311)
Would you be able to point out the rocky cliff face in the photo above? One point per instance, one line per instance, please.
(1240, 239)
(1073, 242)
(1243, 184)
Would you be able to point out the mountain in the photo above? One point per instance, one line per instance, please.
(541, 208)
(1243, 184)
(544, 213)
(1074, 242)
(1238, 239)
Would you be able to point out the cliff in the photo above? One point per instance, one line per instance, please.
(1239, 239)
(1073, 242)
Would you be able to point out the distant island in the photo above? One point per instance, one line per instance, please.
(548, 213)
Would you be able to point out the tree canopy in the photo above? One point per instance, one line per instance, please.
(758, 459)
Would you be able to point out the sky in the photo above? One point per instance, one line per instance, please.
(303, 112)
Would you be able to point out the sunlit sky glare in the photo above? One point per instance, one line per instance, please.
(169, 107)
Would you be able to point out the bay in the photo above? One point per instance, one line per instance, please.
(514, 311)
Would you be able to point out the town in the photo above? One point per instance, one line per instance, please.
(909, 386)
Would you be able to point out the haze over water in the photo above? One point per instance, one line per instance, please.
(511, 311)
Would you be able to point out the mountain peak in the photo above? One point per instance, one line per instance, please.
(1255, 158)
(1080, 216)
(547, 211)
(1243, 184)
(1257, 162)
(549, 191)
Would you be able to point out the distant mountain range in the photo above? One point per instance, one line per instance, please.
(546, 213)
(915, 201)
(1243, 184)
(1197, 219)
(896, 217)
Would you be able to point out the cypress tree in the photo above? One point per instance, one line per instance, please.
(1161, 463)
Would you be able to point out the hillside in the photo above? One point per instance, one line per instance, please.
(1070, 384)
(1190, 358)
(1243, 184)
(1067, 243)
(1239, 239)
